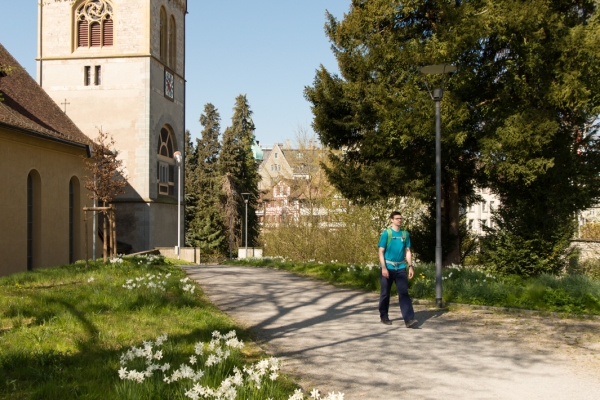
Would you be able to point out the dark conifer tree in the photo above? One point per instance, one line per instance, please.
(190, 196)
(239, 170)
(207, 225)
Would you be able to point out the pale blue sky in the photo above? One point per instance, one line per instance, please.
(266, 49)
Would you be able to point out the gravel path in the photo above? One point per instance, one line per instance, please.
(331, 338)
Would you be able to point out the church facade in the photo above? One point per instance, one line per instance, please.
(43, 176)
(119, 66)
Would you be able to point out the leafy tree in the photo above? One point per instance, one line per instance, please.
(379, 112)
(107, 177)
(518, 116)
(239, 170)
(538, 91)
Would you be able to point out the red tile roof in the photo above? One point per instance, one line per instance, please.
(27, 106)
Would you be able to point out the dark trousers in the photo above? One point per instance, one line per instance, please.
(399, 276)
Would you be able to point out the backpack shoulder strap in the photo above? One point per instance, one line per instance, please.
(389, 237)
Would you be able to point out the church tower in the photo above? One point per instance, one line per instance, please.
(119, 66)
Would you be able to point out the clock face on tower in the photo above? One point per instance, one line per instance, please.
(169, 85)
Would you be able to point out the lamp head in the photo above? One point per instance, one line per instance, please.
(177, 156)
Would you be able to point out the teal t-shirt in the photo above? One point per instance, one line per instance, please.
(397, 248)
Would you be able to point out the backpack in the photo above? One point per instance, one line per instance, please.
(389, 236)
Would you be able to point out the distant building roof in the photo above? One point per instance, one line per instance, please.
(28, 107)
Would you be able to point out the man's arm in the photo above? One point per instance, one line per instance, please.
(384, 270)
(411, 271)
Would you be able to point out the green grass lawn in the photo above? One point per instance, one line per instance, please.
(64, 330)
(577, 294)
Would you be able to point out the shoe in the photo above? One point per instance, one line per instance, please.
(386, 321)
(413, 323)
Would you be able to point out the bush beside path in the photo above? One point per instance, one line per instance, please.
(330, 337)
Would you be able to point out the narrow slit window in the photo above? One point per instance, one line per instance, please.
(98, 75)
(87, 76)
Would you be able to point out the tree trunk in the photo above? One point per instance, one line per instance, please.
(85, 218)
(113, 231)
(453, 218)
(106, 237)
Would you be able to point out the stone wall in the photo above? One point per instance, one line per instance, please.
(55, 164)
(189, 254)
(589, 249)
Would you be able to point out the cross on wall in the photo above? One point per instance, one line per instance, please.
(65, 104)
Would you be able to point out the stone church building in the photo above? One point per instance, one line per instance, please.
(119, 66)
(42, 176)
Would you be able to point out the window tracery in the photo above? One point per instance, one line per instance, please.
(94, 24)
(165, 174)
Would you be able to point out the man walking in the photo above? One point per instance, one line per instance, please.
(394, 257)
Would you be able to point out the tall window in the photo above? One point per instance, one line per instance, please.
(172, 43)
(83, 33)
(71, 222)
(34, 228)
(74, 208)
(30, 225)
(165, 174)
(163, 34)
(107, 32)
(94, 20)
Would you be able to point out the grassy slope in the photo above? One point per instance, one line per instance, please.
(61, 335)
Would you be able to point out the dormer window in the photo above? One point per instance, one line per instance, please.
(95, 28)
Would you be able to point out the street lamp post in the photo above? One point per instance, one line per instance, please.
(177, 156)
(94, 222)
(246, 197)
(437, 97)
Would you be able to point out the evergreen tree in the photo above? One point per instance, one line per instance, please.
(191, 189)
(239, 170)
(207, 225)
(517, 117)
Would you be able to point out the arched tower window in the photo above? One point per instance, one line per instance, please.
(34, 211)
(172, 43)
(94, 20)
(165, 175)
(163, 34)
